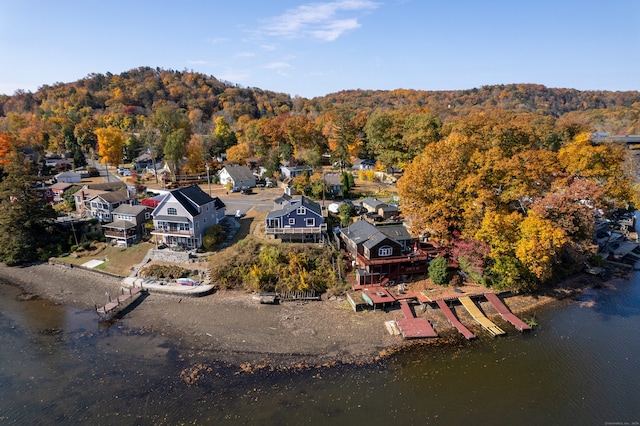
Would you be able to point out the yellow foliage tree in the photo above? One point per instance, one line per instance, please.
(240, 152)
(539, 245)
(110, 144)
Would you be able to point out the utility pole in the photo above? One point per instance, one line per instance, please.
(208, 179)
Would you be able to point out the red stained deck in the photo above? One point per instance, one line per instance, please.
(506, 313)
(377, 296)
(454, 321)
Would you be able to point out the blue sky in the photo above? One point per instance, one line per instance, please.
(313, 48)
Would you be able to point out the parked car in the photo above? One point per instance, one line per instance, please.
(187, 281)
(239, 213)
(246, 190)
(235, 189)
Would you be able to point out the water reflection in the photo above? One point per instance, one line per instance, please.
(580, 366)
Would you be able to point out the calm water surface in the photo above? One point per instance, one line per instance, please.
(580, 366)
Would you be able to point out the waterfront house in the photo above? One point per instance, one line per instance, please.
(128, 223)
(297, 219)
(183, 215)
(101, 206)
(382, 253)
(237, 177)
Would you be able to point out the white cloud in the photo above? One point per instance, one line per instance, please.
(323, 21)
(277, 65)
(244, 55)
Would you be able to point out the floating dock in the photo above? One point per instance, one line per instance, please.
(479, 317)
(454, 321)
(505, 313)
(411, 327)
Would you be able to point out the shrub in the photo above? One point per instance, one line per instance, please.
(438, 271)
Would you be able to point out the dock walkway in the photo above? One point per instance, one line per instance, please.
(454, 321)
(504, 311)
(129, 294)
(479, 317)
(411, 327)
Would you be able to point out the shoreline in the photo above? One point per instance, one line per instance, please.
(230, 327)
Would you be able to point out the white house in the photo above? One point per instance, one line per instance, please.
(182, 216)
(237, 176)
(68, 177)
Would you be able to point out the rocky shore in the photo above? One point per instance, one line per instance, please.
(231, 327)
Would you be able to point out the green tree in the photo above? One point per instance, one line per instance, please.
(26, 218)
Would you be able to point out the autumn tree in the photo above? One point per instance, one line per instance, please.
(110, 144)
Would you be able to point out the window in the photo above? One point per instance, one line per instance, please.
(292, 221)
(172, 211)
(147, 215)
(301, 211)
(310, 221)
(385, 251)
(204, 220)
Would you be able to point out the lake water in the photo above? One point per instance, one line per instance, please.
(580, 366)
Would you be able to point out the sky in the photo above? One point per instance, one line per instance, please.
(315, 48)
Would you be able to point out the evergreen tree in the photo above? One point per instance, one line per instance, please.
(26, 219)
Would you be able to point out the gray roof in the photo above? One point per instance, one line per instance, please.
(119, 224)
(115, 196)
(294, 204)
(397, 232)
(107, 186)
(365, 233)
(373, 202)
(192, 197)
(129, 209)
(239, 173)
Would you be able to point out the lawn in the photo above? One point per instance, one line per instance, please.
(118, 260)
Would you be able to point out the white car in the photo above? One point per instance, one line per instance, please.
(239, 213)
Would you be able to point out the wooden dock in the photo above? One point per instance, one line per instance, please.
(454, 321)
(505, 313)
(112, 306)
(411, 327)
(479, 317)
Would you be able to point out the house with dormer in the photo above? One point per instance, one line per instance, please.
(184, 214)
(101, 206)
(382, 253)
(296, 219)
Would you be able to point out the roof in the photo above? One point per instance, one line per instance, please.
(119, 224)
(365, 233)
(397, 232)
(239, 173)
(115, 196)
(107, 186)
(297, 168)
(333, 179)
(67, 174)
(373, 202)
(284, 198)
(62, 186)
(303, 201)
(129, 209)
(192, 197)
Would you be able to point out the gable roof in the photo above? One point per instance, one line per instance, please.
(129, 209)
(294, 204)
(192, 197)
(397, 232)
(63, 186)
(115, 196)
(373, 202)
(239, 173)
(107, 186)
(363, 232)
(68, 174)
